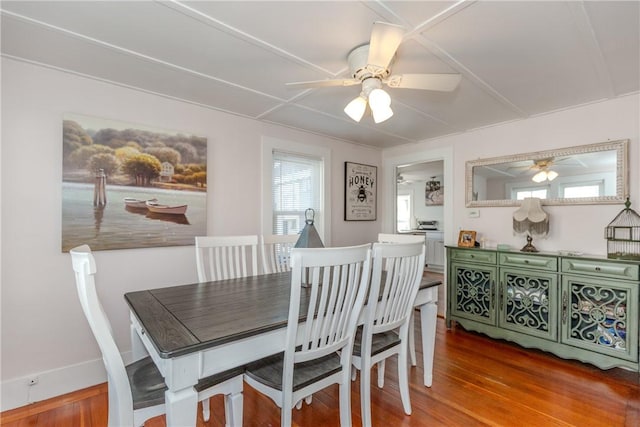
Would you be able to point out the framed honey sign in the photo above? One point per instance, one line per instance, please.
(360, 192)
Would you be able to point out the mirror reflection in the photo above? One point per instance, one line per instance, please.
(588, 174)
(420, 197)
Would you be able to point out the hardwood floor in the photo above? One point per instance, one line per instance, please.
(477, 382)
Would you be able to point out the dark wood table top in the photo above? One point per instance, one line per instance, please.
(188, 318)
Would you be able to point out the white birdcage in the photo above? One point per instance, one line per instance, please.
(623, 234)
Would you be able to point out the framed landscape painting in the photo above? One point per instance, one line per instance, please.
(131, 186)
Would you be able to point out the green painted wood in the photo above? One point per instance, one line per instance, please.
(538, 262)
(601, 316)
(528, 302)
(474, 254)
(473, 291)
(614, 270)
(585, 308)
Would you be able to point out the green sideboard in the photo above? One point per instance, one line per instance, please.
(576, 307)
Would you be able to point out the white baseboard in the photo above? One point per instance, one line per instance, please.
(17, 392)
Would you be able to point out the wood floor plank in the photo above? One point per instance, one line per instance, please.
(477, 382)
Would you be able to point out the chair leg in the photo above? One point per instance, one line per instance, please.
(286, 410)
(412, 341)
(206, 410)
(308, 399)
(345, 399)
(233, 409)
(403, 379)
(365, 394)
(354, 373)
(381, 373)
(285, 417)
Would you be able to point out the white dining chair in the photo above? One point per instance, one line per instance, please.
(406, 238)
(331, 303)
(275, 251)
(136, 391)
(395, 278)
(226, 257)
(400, 238)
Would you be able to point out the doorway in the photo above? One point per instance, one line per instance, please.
(420, 197)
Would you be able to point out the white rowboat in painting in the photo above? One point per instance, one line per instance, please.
(155, 207)
(132, 202)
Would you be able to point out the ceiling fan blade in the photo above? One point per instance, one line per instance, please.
(385, 39)
(440, 82)
(324, 83)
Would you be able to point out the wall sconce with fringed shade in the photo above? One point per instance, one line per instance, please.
(530, 219)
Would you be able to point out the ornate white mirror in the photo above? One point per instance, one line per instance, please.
(586, 174)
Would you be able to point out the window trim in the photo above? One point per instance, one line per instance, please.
(269, 145)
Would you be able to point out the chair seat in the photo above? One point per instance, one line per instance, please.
(269, 370)
(379, 343)
(148, 386)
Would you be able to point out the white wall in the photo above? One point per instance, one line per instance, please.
(578, 228)
(44, 332)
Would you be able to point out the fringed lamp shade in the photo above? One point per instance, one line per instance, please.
(623, 234)
(531, 220)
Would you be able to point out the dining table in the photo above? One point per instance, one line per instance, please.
(196, 330)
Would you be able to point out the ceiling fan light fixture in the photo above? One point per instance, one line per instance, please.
(544, 175)
(380, 102)
(539, 177)
(381, 114)
(355, 109)
(379, 99)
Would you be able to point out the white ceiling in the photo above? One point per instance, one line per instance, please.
(518, 59)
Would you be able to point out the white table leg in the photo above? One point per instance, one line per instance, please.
(428, 319)
(181, 400)
(182, 406)
(138, 350)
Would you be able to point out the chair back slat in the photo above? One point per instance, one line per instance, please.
(226, 257)
(276, 252)
(396, 283)
(338, 283)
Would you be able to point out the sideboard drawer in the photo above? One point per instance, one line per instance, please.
(537, 262)
(473, 255)
(614, 270)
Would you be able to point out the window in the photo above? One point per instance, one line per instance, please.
(576, 190)
(296, 186)
(294, 178)
(521, 193)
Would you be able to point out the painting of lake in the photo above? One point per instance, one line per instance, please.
(131, 186)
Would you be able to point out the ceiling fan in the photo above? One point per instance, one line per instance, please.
(370, 65)
(543, 168)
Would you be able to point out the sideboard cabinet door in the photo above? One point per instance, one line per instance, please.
(474, 292)
(600, 315)
(528, 301)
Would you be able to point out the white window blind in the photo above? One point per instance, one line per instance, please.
(297, 185)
